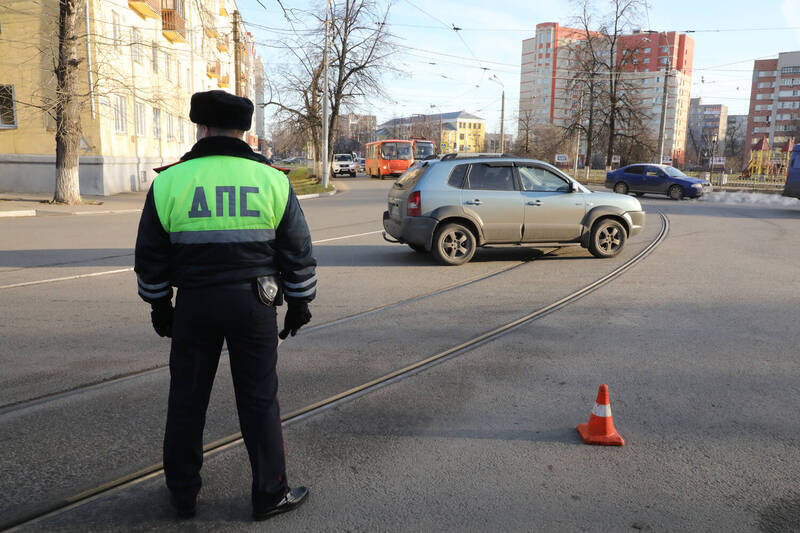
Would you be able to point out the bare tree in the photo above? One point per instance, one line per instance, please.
(359, 48)
(68, 118)
(525, 130)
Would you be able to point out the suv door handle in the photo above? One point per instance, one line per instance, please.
(476, 201)
(533, 202)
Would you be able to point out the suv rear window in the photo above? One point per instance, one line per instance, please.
(491, 178)
(410, 177)
(457, 176)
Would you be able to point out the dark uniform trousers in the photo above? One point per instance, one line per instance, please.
(204, 317)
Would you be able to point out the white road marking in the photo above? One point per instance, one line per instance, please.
(129, 269)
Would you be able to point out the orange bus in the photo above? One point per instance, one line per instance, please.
(389, 158)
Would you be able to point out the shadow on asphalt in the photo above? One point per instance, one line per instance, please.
(67, 257)
(401, 255)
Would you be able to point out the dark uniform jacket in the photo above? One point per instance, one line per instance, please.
(221, 215)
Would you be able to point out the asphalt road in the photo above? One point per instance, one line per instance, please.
(697, 344)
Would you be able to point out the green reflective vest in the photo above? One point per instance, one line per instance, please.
(220, 199)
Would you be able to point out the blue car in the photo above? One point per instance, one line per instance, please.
(792, 187)
(643, 178)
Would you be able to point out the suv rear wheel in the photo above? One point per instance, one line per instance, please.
(453, 244)
(607, 238)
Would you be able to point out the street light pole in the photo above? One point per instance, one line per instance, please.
(325, 169)
(502, 112)
(662, 129)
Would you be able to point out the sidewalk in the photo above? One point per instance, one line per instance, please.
(37, 204)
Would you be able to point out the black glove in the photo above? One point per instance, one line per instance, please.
(161, 316)
(297, 316)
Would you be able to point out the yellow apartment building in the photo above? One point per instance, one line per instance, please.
(460, 131)
(141, 60)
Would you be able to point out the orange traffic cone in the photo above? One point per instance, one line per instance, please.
(600, 429)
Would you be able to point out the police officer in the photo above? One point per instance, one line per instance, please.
(227, 230)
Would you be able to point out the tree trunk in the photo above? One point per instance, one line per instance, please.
(68, 118)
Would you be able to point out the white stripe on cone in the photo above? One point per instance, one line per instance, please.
(602, 410)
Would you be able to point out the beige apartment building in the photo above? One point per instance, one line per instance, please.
(140, 62)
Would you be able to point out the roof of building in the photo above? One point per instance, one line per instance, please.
(445, 116)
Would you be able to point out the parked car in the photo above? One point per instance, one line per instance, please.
(792, 187)
(451, 206)
(343, 164)
(644, 178)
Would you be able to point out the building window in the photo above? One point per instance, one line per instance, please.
(120, 114)
(156, 123)
(140, 119)
(646, 60)
(170, 128)
(647, 50)
(165, 60)
(180, 130)
(136, 45)
(177, 73)
(155, 57)
(116, 27)
(8, 108)
(664, 49)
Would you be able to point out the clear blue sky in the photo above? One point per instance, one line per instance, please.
(493, 32)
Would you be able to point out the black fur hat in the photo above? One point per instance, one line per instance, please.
(219, 109)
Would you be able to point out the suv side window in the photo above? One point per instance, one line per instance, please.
(491, 178)
(457, 175)
(541, 180)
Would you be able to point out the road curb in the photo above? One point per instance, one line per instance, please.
(19, 213)
(317, 195)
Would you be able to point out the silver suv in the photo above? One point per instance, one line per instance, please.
(452, 205)
(343, 164)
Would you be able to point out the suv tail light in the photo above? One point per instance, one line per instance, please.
(414, 204)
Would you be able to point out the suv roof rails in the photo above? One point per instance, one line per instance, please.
(472, 155)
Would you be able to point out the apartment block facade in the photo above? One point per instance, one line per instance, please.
(549, 67)
(774, 101)
(707, 129)
(140, 62)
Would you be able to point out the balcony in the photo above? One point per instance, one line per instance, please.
(173, 26)
(224, 81)
(146, 8)
(222, 43)
(212, 69)
(210, 31)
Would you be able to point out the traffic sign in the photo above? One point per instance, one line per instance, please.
(444, 147)
(666, 160)
(615, 159)
(717, 160)
(562, 158)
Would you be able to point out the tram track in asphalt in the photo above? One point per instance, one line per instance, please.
(113, 380)
(40, 512)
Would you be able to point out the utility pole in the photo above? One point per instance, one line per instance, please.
(502, 122)
(663, 128)
(578, 134)
(237, 72)
(325, 170)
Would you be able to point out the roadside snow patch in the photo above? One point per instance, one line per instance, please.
(754, 198)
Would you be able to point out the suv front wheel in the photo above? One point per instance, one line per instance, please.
(453, 244)
(607, 238)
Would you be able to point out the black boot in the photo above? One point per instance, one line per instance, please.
(294, 498)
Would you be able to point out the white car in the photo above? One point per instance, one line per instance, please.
(344, 164)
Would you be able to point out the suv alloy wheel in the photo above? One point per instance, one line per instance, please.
(607, 238)
(453, 244)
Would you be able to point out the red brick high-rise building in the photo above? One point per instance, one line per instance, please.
(548, 94)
